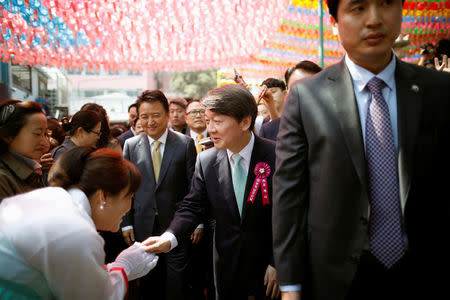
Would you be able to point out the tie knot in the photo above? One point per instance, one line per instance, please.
(156, 144)
(199, 137)
(375, 85)
(236, 158)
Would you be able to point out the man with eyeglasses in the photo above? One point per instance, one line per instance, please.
(195, 119)
(201, 238)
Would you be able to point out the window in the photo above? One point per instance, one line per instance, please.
(21, 77)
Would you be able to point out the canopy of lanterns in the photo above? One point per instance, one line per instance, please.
(261, 36)
(297, 38)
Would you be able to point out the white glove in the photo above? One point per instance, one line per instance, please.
(134, 261)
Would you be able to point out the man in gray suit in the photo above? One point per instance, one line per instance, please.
(361, 207)
(166, 160)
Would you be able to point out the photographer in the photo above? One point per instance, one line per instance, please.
(427, 59)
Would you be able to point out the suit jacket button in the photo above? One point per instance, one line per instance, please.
(355, 258)
(364, 221)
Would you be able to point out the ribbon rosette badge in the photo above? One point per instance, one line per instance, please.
(262, 171)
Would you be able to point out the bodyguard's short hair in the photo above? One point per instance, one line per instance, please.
(232, 100)
(131, 106)
(333, 7)
(273, 82)
(179, 101)
(304, 66)
(153, 96)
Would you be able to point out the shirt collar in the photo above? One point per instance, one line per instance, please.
(361, 76)
(28, 161)
(195, 134)
(81, 200)
(133, 131)
(162, 138)
(246, 152)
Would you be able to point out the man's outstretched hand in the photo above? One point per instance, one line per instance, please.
(156, 244)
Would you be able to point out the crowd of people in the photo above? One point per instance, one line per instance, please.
(330, 184)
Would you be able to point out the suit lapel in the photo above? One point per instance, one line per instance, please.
(169, 150)
(409, 107)
(144, 153)
(223, 173)
(341, 90)
(257, 156)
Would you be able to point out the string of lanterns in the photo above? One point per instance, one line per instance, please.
(263, 37)
(135, 34)
(297, 38)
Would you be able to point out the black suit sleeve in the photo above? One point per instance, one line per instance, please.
(193, 208)
(262, 131)
(191, 156)
(290, 195)
(127, 220)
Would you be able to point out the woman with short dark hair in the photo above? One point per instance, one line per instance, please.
(23, 141)
(84, 130)
(49, 245)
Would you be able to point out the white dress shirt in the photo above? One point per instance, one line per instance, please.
(360, 78)
(246, 154)
(194, 135)
(162, 139)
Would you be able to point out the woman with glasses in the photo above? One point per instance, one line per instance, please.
(23, 140)
(84, 130)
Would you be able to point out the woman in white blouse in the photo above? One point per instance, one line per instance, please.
(49, 245)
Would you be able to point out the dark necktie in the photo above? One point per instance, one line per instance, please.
(386, 242)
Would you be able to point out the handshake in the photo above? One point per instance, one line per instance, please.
(135, 261)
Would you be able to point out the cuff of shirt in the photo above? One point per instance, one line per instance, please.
(291, 288)
(200, 226)
(170, 236)
(127, 228)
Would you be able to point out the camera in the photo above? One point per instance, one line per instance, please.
(427, 49)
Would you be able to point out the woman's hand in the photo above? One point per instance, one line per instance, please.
(46, 161)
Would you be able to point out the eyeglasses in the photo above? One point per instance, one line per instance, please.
(99, 133)
(200, 112)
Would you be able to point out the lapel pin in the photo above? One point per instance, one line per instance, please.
(415, 88)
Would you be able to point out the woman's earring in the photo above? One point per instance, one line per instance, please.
(102, 206)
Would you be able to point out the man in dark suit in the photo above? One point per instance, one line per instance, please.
(177, 113)
(361, 205)
(132, 116)
(200, 264)
(196, 122)
(226, 182)
(166, 160)
(301, 70)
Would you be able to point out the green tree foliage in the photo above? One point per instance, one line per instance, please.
(194, 84)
